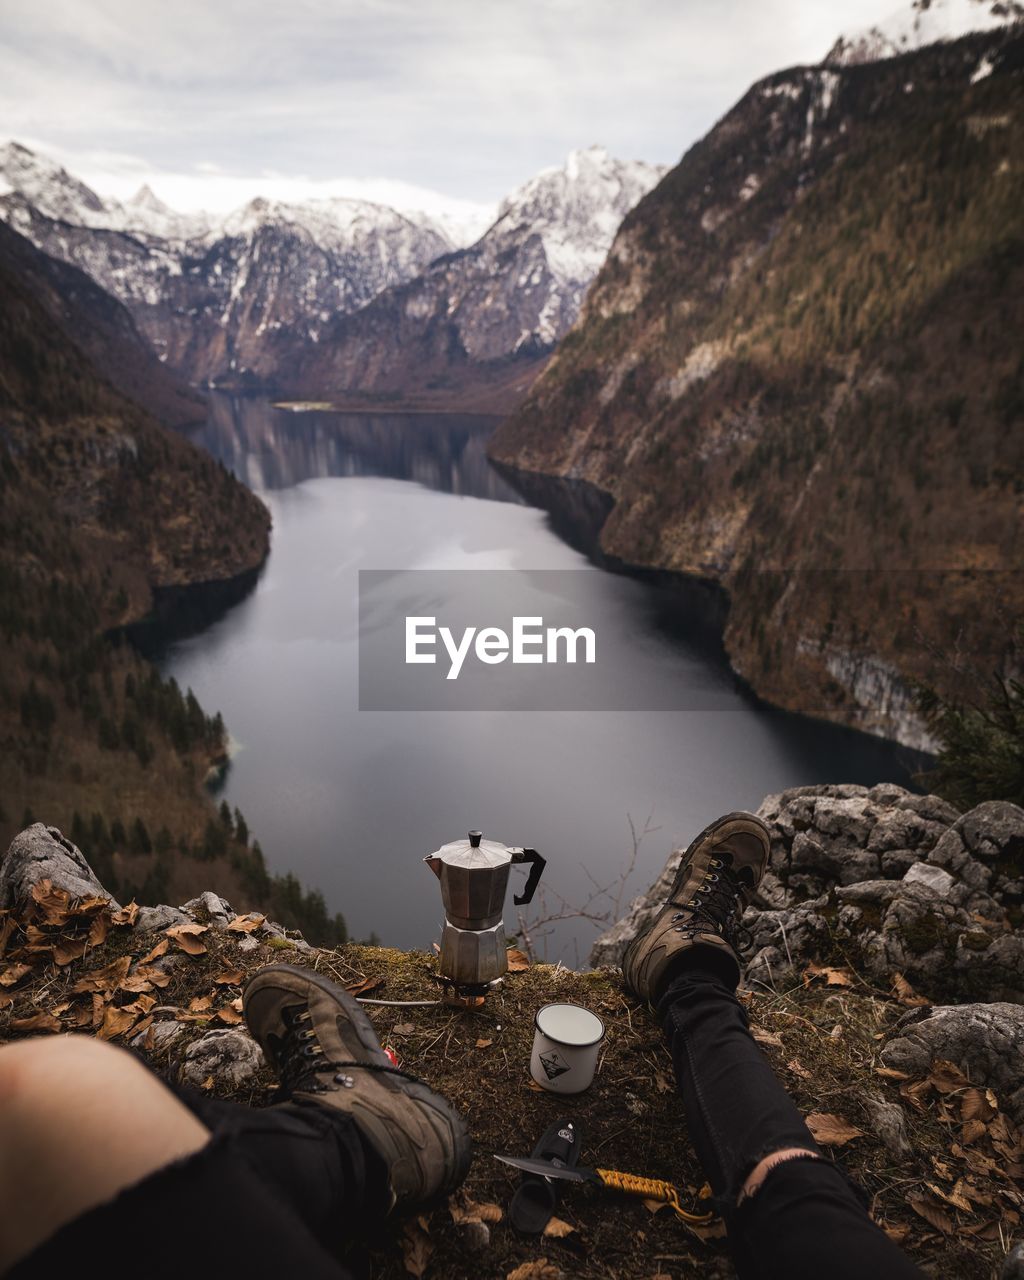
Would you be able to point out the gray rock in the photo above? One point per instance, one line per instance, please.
(986, 1041)
(209, 908)
(43, 853)
(888, 1122)
(933, 879)
(247, 942)
(1013, 1265)
(154, 919)
(232, 1057)
(873, 891)
(901, 882)
(161, 1036)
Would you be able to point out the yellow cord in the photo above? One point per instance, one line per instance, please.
(651, 1189)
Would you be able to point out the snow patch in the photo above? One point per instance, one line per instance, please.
(983, 70)
(921, 23)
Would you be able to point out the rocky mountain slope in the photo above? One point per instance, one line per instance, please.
(485, 317)
(921, 23)
(207, 292)
(102, 328)
(103, 513)
(260, 299)
(922, 1104)
(798, 376)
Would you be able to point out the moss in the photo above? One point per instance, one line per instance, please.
(925, 933)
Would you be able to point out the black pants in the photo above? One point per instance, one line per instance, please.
(807, 1219)
(283, 1190)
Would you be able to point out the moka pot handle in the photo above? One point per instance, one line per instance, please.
(536, 870)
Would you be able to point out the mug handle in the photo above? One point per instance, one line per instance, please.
(536, 870)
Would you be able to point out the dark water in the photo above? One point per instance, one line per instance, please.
(351, 800)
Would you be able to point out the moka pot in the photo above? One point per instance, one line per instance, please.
(474, 879)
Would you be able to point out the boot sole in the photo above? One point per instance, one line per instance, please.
(414, 1089)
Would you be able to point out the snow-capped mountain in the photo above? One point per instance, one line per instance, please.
(512, 294)
(921, 23)
(248, 299)
(575, 209)
(206, 292)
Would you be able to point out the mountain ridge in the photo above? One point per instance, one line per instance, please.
(798, 359)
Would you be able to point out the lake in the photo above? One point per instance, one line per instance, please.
(351, 800)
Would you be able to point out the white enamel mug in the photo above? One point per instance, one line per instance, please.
(566, 1044)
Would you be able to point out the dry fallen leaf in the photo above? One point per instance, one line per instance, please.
(37, 1022)
(367, 984)
(974, 1105)
(246, 924)
(53, 903)
(228, 978)
(126, 915)
(404, 1029)
(229, 1015)
(557, 1228)
(931, 1213)
(483, 1044)
(109, 978)
(833, 977)
(147, 973)
(159, 950)
(65, 950)
(832, 1130)
(763, 1036)
(891, 1073)
(798, 1069)
(14, 973)
(186, 936)
(905, 993)
(416, 1246)
(517, 960)
(98, 930)
(199, 1004)
(116, 1022)
(947, 1076)
(463, 1209)
(538, 1269)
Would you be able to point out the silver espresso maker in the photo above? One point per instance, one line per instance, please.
(474, 878)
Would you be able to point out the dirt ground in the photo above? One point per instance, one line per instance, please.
(953, 1202)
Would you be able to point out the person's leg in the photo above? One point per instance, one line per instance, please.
(81, 1120)
(789, 1211)
(313, 1158)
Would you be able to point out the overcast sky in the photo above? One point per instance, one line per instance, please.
(213, 100)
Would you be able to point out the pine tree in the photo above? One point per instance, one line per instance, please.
(140, 841)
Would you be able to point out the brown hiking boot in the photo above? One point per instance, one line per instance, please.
(712, 886)
(325, 1050)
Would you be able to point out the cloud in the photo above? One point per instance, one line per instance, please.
(468, 96)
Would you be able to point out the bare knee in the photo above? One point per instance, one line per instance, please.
(763, 1168)
(32, 1070)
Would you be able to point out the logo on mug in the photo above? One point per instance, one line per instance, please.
(553, 1065)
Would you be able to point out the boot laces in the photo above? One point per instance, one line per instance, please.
(717, 905)
(302, 1064)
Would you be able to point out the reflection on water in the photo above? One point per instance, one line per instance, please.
(275, 448)
(352, 800)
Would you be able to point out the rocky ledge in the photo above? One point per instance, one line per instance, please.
(923, 1103)
(900, 887)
